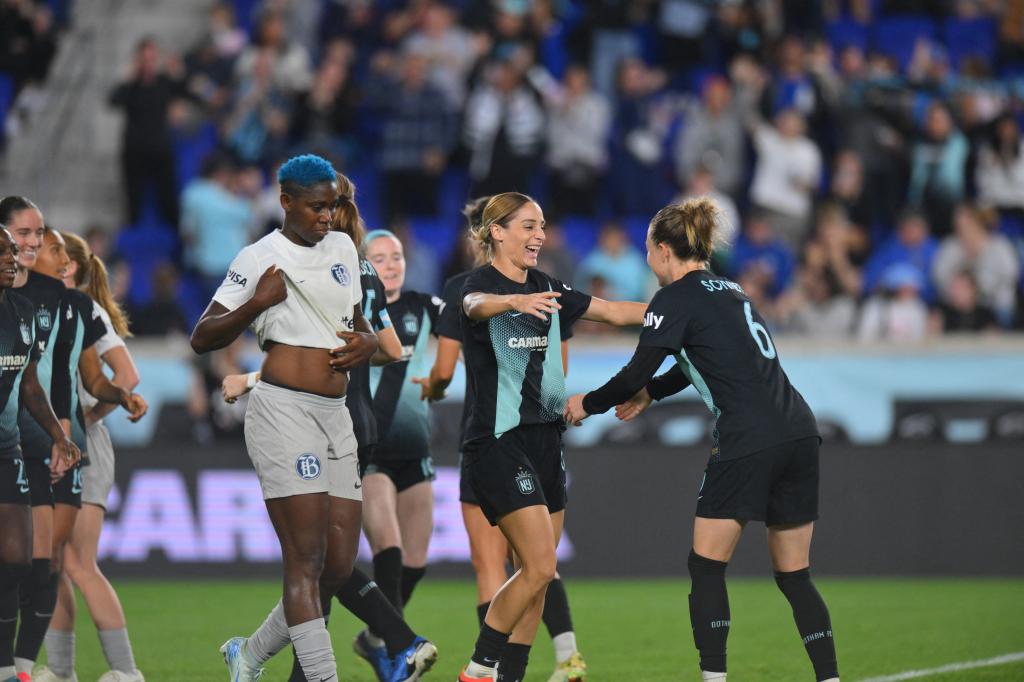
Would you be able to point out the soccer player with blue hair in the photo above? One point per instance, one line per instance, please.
(299, 289)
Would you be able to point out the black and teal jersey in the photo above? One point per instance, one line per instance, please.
(18, 347)
(403, 420)
(514, 360)
(722, 347)
(46, 295)
(359, 400)
(81, 329)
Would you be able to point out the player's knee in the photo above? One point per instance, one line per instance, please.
(12, 574)
(789, 581)
(541, 570)
(305, 562)
(701, 566)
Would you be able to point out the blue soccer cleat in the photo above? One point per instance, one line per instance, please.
(413, 661)
(376, 656)
(238, 669)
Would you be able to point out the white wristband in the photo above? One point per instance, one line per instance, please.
(250, 379)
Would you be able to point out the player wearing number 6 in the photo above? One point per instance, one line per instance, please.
(764, 453)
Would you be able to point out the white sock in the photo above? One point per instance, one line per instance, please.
(7, 672)
(23, 665)
(117, 649)
(705, 676)
(831, 679)
(475, 670)
(60, 652)
(565, 646)
(312, 645)
(268, 639)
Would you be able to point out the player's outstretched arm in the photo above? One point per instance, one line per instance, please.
(234, 386)
(627, 383)
(98, 385)
(434, 387)
(616, 313)
(479, 306)
(126, 375)
(389, 347)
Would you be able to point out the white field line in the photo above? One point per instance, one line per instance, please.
(950, 668)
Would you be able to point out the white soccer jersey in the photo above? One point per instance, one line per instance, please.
(323, 288)
(108, 341)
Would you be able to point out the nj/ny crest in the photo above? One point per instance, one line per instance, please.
(411, 324)
(524, 481)
(26, 333)
(43, 319)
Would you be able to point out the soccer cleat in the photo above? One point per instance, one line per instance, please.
(44, 674)
(572, 669)
(464, 678)
(413, 661)
(119, 676)
(376, 656)
(237, 668)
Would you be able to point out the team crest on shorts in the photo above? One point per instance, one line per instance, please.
(524, 481)
(340, 274)
(43, 319)
(26, 334)
(307, 466)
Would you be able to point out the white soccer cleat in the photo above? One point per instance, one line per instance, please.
(238, 669)
(44, 674)
(573, 669)
(119, 676)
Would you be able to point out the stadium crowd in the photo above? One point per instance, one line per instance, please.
(866, 154)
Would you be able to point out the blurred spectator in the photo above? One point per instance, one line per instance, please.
(759, 248)
(555, 258)
(990, 258)
(162, 315)
(682, 30)
(503, 130)
(848, 189)
(786, 175)
(823, 302)
(641, 125)
(614, 39)
(267, 212)
(896, 312)
(28, 41)
(960, 310)
(323, 120)
(418, 134)
(911, 245)
(618, 263)
(257, 128)
(937, 174)
(215, 221)
(578, 123)
(147, 151)
(449, 50)
(595, 286)
(999, 175)
(793, 87)
(702, 184)
(209, 66)
(289, 69)
(712, 138)
(222, 28)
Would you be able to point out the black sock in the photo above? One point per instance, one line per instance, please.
(812, 621)
(513, 663)
(481, 611)
(38, 596)
(489, 646)
(364, 599)
(387, 571)
(709, 610)
(410, 577)
(557, 617)
(11, 576)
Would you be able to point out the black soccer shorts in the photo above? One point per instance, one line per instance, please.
(14, 482)
(778, 485)
(404, 473)
(525, 467)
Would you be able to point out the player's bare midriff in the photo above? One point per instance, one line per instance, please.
(303, 369)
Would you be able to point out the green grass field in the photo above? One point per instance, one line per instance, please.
(629, 631)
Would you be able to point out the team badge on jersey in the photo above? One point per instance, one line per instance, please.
(307, 466)
(411, 324)
(43, 319)
(340, 274)
(524, 481)
(26, 333)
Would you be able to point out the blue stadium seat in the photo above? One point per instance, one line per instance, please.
(846, 32)
(580, 235)
(143, 248)
(440, 234)
(636, 228)
(967, 38)
(190, 151)
(6, 99)
(896, 36)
